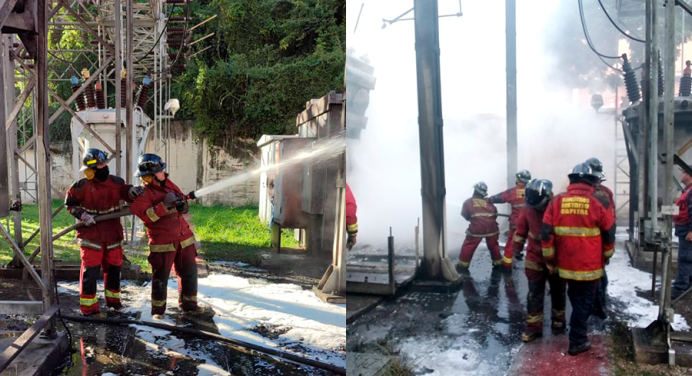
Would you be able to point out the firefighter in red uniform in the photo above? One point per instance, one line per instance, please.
(515, 197)
(171, 242)
(351, 218)
(538, 196)
(683, 225)
(578, 236)
(603, 191)
(482, 217)
(100, 243)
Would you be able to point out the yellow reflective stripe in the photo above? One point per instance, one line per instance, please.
(89, 244)
(352, 228)
(151, 213)
(497, 262)
(114, 246)
(581, 275)
(464, 264)
(188, 242)
(506, 260)
(548, 252)
(609, 253)
(112, 294)
(483, 215)
(531, 319)
(88, 301)
(577, 231)
(161, 248)
(518, 206)
(519, 239)
(534, 236)
(158, 303)
(558, 313)
(482, 235)
(533, 265)
(189, 298)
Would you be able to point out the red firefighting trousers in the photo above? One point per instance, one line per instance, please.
(92, 261)
(509, 250)
(470, 245)
(534, 301)
(183, 259)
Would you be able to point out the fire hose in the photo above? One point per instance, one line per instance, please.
(235, 343)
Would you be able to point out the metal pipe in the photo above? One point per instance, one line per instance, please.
(511, 88)
(390, 259)
(669, 192)
(215, 337)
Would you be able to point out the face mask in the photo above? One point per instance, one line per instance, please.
(101, 174)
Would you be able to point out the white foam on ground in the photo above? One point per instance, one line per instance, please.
(240, 305)
(449, 356)
(623, 283)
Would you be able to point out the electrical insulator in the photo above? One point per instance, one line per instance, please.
(89, 90)
(80, 98)
(100, 99)
(143, 94)
(686, 80)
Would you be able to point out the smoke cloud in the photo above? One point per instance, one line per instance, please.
(555, 131)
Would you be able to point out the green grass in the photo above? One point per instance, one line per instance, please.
(226, 233)
(234, 233)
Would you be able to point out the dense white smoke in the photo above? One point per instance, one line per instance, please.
(554, 133)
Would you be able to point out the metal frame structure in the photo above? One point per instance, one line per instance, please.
(27, 63)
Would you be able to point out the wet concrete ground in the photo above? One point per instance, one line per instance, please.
(475, 331)
(116, 349)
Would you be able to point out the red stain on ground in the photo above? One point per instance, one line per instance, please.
(548, 356)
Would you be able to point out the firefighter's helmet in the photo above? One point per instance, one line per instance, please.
(524, 176)
(583, 171)
(149, 164)
(481, 188)
(597, 168)
(538, 193)
(92, 158)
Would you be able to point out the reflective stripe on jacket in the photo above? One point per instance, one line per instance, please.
(578, 233)
(481, 214)
(515, 197)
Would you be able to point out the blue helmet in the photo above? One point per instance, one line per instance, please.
(149, 164)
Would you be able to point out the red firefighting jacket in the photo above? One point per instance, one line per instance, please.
(578, 233)
(515, 197)
(482, 217)
(602, 190)
(164, 227)
(351, 208)
(97, 198)
(682, 220)
(529, 227)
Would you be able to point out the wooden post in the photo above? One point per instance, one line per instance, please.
(43, 158)
(8, 71)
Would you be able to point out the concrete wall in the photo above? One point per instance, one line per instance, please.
(194, 163)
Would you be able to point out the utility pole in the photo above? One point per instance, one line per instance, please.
(511, 57)
(431, 139)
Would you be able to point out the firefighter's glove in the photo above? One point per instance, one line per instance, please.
(182, 207)
(689, 236)
(170, 200)
(351, 240)
(134, 192)
(551, 268)
(87, 219)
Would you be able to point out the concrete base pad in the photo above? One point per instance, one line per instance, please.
(442, 287)
(646, 353)
(548, 356)
(40, 357)
(329, 298)
(360, 364)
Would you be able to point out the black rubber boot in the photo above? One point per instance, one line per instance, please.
(576, 350)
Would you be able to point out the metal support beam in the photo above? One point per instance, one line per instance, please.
(129, 127)
(18, 345)
(12, 117)
(44, 166)
(118, 67)
(431, 138)
(86, 26)
(18, 252)
(511, 87)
